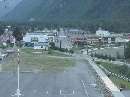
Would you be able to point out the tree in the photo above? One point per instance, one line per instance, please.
(71, 51)
(109, 57)
(105, 56)
(118, 56)
(49, 51)
(17, 34)
(123, 69)
(52, 45)
(1, 30)
(127, 51)
(113, 58)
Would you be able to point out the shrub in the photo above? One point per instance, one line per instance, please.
(118, 55)
(122, 85)
(71, 51)
(113, 58)
(109, 57)
(49, 51)
(123, 69)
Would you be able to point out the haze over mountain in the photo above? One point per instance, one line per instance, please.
(74, 11)
(7, 6)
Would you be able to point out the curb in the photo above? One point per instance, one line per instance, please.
(108, 84)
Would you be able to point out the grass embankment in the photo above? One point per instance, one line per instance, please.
(39, 61)
(121, 70)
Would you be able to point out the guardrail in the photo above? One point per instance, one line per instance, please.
(110, 90)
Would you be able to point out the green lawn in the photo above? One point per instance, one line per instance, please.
(53, 52)
(119, 82)
(115, 69)
(30, 61)
(109, 66)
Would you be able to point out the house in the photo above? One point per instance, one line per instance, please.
(121, 41)
(102, 33)
(7, 37)
(36, 40)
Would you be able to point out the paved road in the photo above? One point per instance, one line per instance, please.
(77, 81)
(126, 93)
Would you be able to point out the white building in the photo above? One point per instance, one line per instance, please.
(36, 40)
(121, 40)
(102, 33)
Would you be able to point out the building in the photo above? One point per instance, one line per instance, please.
(121, 41)
(7, 37)
(77, 36)
(102, 33)
(36, 40)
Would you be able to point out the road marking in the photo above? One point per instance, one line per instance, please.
(73, 92)
(62, 92)
(47, 92)
(94, 85)
(83, 84)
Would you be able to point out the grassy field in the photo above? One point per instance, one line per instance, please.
(41, 61)
(119, 82)
(115, 69)
(109, 66)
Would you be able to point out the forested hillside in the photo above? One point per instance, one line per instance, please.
(111, 14)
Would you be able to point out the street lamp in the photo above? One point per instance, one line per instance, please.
(18, 92)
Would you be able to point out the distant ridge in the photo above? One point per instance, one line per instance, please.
(7, 6)
(114, 14)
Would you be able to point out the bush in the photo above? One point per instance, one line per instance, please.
(52, 45)
(128, 74)
(98, 62)
(105, 56)
(109, 57)
(49, 51)
(71, 51)
(123, 69)
(113, 58)
(19, 43)
(123, 86)
(118, 55)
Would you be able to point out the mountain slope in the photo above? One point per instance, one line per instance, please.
(7, 5)
(110, 12)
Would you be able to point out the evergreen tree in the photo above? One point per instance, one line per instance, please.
(17, 34)
(127, 51)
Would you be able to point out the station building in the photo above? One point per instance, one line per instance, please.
(36, 40)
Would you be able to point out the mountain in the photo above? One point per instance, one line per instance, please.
(111, 13)
(7, 6)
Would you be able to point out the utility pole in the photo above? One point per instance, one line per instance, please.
(18, 92)
(60, 44)
(124, 53)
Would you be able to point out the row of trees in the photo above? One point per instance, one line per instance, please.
(103, 56)
(127, 51)
(52, 46)
(106, 56)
